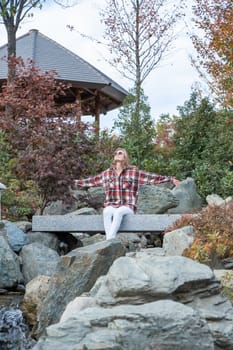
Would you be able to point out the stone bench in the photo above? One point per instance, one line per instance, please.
(94, 223)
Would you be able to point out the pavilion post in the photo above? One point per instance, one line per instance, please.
(79, 108)
(97, 114)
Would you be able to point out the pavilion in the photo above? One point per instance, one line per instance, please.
(96, 92)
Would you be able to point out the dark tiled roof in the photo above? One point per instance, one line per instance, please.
(49, 55)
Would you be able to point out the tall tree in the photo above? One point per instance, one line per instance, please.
(214, 46)
(138, 130)
(13, 13)
(48, 143)
(140, 33)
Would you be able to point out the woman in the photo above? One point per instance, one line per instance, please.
(121, 183)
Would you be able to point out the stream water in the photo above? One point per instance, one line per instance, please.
(13, 330)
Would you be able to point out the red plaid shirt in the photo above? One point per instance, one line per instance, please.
(123, 189)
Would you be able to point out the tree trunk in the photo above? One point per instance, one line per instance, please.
(11, 51)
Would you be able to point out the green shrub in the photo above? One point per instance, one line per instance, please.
(19, 202)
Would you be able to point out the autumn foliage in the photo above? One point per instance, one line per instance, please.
(46, 142)
(213, 228)
(215, 46)
(165, 130)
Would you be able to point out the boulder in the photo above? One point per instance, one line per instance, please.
(76, 273)
(216, 200)
(10, 274)
(37, 259)
(162, 324)
(188, 198)
(15, 236)
(36, 290)
(142, 277)
(146, 277)
(175, 242)
(155, 200)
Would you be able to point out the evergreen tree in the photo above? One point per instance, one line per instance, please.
(137, 129)
(203, 146)
(193, 132)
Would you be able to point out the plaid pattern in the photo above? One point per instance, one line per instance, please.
(123, 189)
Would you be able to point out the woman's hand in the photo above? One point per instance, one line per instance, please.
(175, 181)
(75, 183)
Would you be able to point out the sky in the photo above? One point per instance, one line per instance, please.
(167, 87)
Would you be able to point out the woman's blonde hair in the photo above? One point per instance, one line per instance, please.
(125, 163)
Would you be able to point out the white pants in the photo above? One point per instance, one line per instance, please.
(112, 219)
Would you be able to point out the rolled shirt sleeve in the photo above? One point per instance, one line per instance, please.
(92, 181)
(147, 178)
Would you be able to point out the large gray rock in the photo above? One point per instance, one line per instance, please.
(175, 242)
(37, 259)
(76, 273)
(55, 207)
(96, 197)
(120, 299)
(146, 277)
(218, 312)
(188, 198)
(15, 236)
(36, 291)
(163, 325)
(81, 196)
(215, 200)
(60, 208)
(10, 274)
(155, 200)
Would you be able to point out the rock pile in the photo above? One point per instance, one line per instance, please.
(134, 292)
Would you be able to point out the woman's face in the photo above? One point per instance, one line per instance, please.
(119, 154)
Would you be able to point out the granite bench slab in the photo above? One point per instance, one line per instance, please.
(94, 223)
